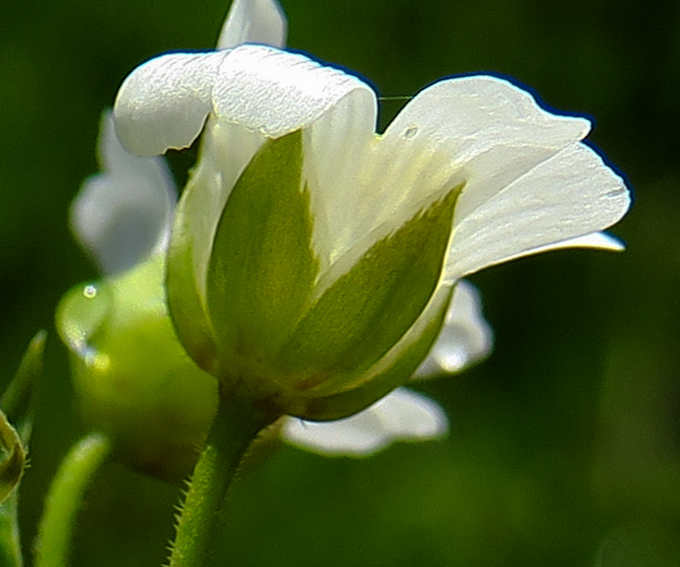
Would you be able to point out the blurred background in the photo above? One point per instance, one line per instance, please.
(565, 445)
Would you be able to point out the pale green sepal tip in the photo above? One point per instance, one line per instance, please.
(362, 315)
(392, 371)
(262, 270)
(185, 303)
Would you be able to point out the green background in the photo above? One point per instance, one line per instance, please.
(565, 444)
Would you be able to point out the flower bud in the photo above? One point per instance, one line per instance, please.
(134, 381)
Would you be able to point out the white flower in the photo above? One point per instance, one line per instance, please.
(123, 217)
(506, 177)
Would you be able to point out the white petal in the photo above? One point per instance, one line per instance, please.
(490, 132)
(596, 240)
(571, 195)
(480, 130)
(163, 103)
(275, 93)
(338, 147)
(599, 240)
(123, 215)
(402, 415)
(465, 338)
(253, 21)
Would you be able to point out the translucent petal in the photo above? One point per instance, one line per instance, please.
(123, 215)
(571, 195)
(465, 338)
(489, 131)
(274, 92)
(400, 416)
(482, 131)
(340, 147)
(163, 103)
(253, 21)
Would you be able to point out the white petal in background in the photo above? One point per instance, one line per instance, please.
(253, 21)
(465, 338)
(401, 416)
(123, 215)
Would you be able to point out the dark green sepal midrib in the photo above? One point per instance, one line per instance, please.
(347, 330)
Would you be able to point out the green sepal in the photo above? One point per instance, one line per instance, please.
(185, 299)
(363, 314)
(262, 270)
(391, 371)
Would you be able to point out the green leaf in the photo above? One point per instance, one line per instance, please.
(19, 397)
(362, 315)
(262, 269)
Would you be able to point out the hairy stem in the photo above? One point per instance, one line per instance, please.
(236, 425)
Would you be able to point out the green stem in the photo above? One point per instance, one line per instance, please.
(236, 425)
(65, 498)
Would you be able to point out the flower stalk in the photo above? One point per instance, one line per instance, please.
(235, 427)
